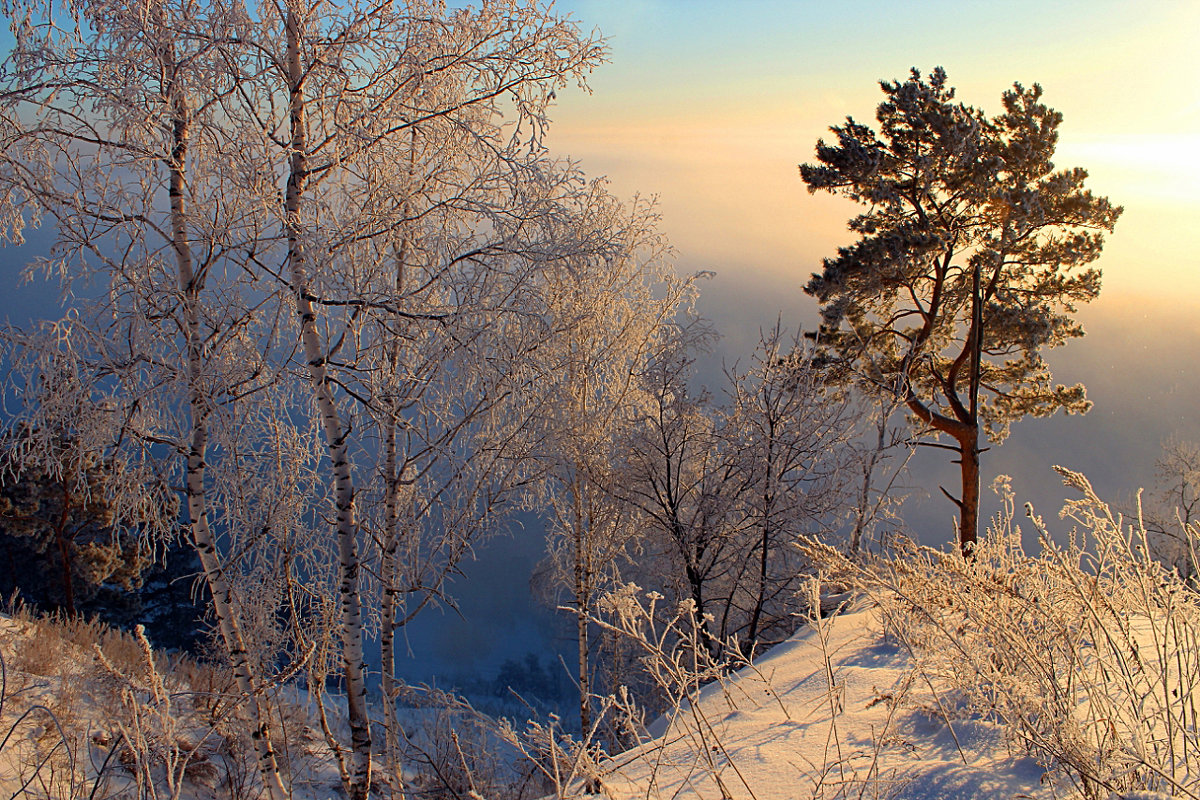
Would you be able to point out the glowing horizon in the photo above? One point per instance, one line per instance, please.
(712, 107)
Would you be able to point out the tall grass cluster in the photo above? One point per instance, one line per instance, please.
(1087, 650)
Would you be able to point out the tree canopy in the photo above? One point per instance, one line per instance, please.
(972, 256)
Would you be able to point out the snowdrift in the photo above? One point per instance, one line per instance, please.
(838, 711)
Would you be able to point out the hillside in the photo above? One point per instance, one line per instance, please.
(839, 710)
(1072, 672)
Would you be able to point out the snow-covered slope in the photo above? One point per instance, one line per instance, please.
(836, 711)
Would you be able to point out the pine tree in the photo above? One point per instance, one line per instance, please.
(61, 538)
(972, 256)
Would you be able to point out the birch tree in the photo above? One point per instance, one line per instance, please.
(882, 454)
(110, 138)
(455, 394)
(608, 302)
(1170, 511)
(367, 153)
(351, 199)
(677, 475)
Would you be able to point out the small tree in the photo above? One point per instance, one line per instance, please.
(77, 509)
(608, 303)
(971, 258)
(786, 435)
(681, 483)
(1171, 510)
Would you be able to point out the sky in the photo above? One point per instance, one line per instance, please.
(710, 106)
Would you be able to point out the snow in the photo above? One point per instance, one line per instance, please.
(64, 714)
(839, 710)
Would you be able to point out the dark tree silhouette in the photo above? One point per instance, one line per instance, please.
(61, 537)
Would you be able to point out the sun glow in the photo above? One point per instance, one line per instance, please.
(721, 148)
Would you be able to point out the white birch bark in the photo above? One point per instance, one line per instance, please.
(198, 522)
(336, 433)
(398, 524)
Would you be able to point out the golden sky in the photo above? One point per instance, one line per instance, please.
(712, 105)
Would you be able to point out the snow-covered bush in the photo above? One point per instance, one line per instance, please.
(89, 711)
(1088, 652)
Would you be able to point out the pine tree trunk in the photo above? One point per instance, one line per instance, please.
(968, 526)
(201, 534)
(966, 435)
(335, 433)
(969, 443)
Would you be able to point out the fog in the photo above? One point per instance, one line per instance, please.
(1136, 361)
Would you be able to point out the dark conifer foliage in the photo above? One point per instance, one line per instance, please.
(60, 544)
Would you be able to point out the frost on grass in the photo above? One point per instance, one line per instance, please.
(837, 711)
(1069, 672)
(1085, 651)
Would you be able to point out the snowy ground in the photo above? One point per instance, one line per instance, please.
(836, 711)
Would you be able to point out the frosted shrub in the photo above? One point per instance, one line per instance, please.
(450, 751)
(672, 652)
(1088, 652)
(675, 650)
(678, 665)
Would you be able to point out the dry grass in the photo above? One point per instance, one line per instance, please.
(1088, 652)
(95, 712)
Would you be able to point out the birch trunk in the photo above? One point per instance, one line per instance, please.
(336, 432)
(394, 496)
(387, 633)
(201, 533)
(582, 604)
(398, 510)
